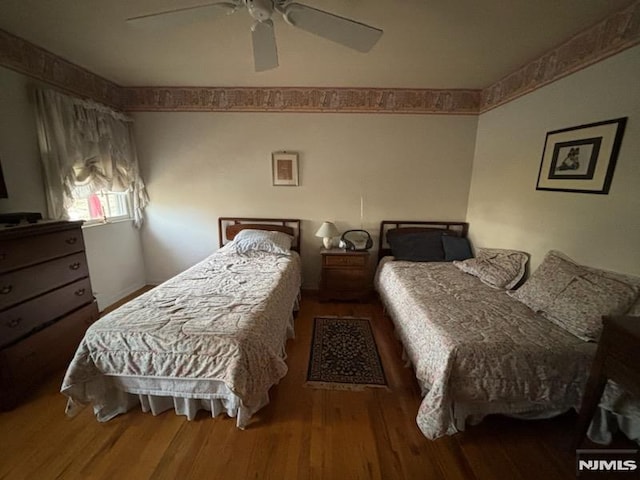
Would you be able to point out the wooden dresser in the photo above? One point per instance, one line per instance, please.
(46, 303)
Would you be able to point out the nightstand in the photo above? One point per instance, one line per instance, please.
(345, 275)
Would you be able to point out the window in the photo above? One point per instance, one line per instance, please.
(101, 207)
(101, 159)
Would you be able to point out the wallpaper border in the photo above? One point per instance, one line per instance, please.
(612, 35)
(301, 99)
(25, 57)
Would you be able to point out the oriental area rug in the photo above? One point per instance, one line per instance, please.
(344, 355)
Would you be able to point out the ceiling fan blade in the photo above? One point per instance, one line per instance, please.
(265, 51)
(346, 32)
(184, 15)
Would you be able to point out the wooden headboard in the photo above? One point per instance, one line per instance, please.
(459, 229)
(229, 227)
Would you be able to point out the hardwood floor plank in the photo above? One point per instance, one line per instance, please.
(303, 434)
(486, 456)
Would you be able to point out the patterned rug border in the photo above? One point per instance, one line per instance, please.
(357, 387)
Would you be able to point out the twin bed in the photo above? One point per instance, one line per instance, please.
(212, 338)
(477, 350)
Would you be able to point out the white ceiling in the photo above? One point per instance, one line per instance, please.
(426, 43)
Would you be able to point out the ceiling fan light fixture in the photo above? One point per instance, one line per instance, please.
(260, 10)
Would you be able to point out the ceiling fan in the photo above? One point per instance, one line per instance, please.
(344, 31)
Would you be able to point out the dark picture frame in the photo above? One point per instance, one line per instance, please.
(581, 159)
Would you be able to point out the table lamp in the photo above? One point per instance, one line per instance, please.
(327, 231)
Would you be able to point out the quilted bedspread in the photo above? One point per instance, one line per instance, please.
(471, 343)
(225, 319)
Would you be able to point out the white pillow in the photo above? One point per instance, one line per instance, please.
(576, 297)
(498, 268)
(249, 240)
(622, 277)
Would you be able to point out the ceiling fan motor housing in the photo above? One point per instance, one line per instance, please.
(261, 10)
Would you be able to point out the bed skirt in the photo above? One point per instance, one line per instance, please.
(113, 395)
(118, 395)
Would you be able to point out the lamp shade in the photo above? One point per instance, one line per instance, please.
(327, 229)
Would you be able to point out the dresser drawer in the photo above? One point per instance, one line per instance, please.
(20, 252)
(29, 282)
(344, 260)
(26, 317)
(24, 364)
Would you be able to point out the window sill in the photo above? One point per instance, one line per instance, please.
(92, 224)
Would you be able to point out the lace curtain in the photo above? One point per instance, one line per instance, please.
(85, 148)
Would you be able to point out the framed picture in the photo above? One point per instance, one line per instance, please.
(284, 167)
(581, 159)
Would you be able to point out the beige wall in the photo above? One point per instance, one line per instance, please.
(505, 210)
(114, 255)
(199, 166)
(19, 152)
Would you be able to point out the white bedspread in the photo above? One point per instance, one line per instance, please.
(474, 345)
(217, 330)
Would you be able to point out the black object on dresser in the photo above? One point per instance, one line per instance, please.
(20, 217)
(46, 303)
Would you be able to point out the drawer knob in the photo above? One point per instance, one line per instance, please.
(14, 322)
(80, 292)
(74, 266)
(71, 240)
(6, 289)
(3, 256)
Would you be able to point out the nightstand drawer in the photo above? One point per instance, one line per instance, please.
(345, 279)
(344, 260)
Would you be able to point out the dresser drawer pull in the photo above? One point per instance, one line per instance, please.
(6, 289)
(71, 240)
(80, 292)
(3, 256)
(74, 266)
(13, 323)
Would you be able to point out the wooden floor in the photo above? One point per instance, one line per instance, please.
(302, 434)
